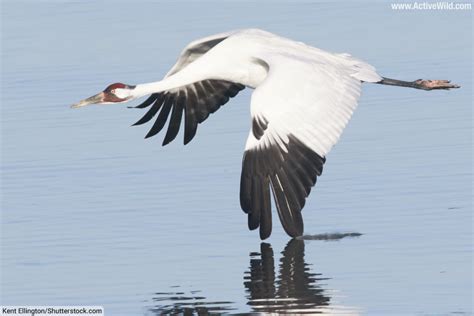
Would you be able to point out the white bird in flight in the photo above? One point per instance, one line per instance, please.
(303, 99)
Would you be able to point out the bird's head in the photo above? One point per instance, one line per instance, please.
(114, 93)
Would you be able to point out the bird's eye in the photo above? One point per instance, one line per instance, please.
(112, 91)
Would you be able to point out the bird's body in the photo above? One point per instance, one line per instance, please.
(303, 99)
(244, 56)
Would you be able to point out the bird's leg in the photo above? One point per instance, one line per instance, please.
(420, 84)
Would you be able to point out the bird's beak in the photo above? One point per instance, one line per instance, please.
(98, 98)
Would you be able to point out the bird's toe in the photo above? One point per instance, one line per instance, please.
(436, 84)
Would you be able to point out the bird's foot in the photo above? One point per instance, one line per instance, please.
(434, 84)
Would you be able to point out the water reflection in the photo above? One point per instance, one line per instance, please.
(187, 303)
(331, 236)
(294, 290)
(287, 287)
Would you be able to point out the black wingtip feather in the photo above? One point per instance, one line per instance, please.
(175, 120)
(151, 112)
(289, 173)
(162, 117)
(290, 218)
(256, 203)
(266, 212)
(148, 101)
(253, 221)
(190, 122)
(246, 183)
(198, 101)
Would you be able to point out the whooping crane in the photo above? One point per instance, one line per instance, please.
(303, 99)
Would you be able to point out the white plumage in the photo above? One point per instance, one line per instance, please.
(299, 89)
(303, 99)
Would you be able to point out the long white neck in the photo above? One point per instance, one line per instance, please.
(204, 68)
(172, 82)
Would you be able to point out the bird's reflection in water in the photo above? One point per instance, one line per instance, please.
(288, 287)
(294, 290)
(187, 303)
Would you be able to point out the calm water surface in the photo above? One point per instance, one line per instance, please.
(93, 214)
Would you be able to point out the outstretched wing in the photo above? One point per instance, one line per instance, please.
(196, 49)
(298, 114)
(196, 100)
